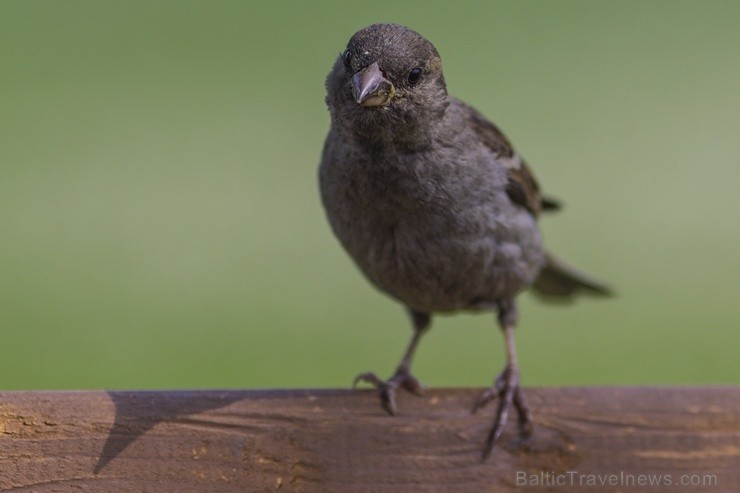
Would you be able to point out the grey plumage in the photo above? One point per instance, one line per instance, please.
(429, 198)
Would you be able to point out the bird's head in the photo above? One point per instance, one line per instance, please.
(387, 85)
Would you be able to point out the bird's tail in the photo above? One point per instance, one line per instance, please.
(559, 281)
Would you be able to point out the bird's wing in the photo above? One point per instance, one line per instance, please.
(522, 186)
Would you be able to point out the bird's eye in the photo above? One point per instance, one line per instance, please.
(347, 58)
(415, 76)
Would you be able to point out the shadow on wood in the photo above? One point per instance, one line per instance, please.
(335, 440)
(138, 412)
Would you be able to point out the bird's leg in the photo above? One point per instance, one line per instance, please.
(402, 377)
(506, 386)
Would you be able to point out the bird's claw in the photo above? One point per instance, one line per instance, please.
(506, 389)
(387, 389)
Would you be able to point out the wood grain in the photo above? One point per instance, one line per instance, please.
(341, 440)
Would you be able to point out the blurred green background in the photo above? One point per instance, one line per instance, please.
(160, 223)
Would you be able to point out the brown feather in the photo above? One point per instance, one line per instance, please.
(522, 187)
(560, 281)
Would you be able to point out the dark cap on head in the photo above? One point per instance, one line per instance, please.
(392, 42)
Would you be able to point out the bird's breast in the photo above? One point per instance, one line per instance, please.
(434, 244)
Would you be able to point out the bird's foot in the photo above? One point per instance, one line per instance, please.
(387, 389)
(506, 389)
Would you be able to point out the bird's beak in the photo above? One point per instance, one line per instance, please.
(370, 88)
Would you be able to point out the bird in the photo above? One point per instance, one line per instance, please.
(434, 205)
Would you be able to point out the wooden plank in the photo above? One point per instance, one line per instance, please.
(340, 440)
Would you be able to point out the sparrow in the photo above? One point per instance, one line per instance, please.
(434, 205)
